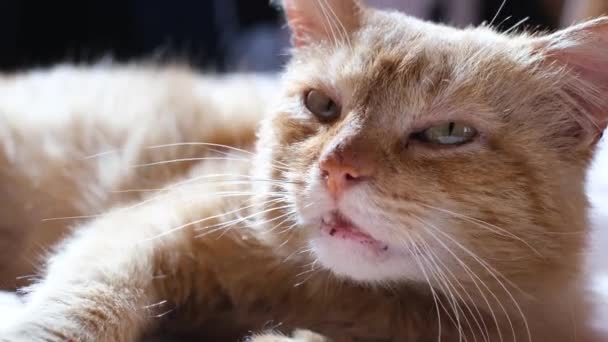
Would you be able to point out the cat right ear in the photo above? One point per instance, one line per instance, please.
(582, 50)
(314, 21)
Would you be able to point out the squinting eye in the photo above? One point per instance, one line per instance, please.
(449, 133)
(321, 105)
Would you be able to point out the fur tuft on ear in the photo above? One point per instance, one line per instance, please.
(582, 50)
(314, 21)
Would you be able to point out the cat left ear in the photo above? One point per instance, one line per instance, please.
(313, 21)
(583, 52)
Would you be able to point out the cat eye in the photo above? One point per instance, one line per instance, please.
(321, 105)
(449, 133)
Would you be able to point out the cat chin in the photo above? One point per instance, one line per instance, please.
(358, 262)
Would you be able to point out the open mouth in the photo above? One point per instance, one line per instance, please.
(337, 226)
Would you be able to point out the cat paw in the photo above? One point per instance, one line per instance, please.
(297, 336)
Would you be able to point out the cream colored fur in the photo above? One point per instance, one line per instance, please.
(55, 126)
(179, 226)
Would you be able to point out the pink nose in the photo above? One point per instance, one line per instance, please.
(338, 175)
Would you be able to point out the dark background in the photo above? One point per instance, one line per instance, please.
(36, 33)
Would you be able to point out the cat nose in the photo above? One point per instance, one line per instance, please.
(337, 176)
(342, 169)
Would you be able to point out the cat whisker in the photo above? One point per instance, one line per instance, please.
(214, 183)
(27, 277)
(288, 214)
(231, 223)
(486, 225)
(310, 265)
(210, 176)
(516, 25)
(566, 233)
(241, 178)
(181, 160)
(163, 194)
(473, 276)
(161, 315)
(100, 154)
(441, 265)
(159, 196)
(250, 156)
(302, 250)
(444, 288)
(217, 194)
(311, 273)
(493, 273)
(409, 245)
(326, 22)
(247, 180)
(503, 21)
(502, 5)
(341, 29)
(236, 149)
(126, 191)
(77, 217)
(282, 166)
(289, 217)
(172, 230)
(288, 229)
(150, 306)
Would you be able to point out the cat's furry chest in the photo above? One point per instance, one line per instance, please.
(254, 289)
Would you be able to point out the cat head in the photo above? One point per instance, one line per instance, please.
(409, 149)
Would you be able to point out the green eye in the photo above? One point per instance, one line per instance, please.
(449, 133)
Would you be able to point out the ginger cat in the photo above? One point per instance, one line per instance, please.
(409, 182)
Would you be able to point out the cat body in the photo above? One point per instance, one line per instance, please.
(410, 182)
(102, 110)
(109, 156)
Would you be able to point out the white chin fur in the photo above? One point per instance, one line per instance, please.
(359, 263)
(348, 259)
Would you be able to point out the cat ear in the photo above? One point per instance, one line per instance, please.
(321, 20)
(583, 52)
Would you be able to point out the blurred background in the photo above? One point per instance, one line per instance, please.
(221, 35)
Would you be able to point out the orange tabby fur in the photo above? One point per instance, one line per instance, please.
(499, 224)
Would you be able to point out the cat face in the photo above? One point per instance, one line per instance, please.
(414, 151)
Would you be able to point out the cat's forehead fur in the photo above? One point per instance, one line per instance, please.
(405, 68)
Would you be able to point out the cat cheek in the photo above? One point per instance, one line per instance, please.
(291, 131)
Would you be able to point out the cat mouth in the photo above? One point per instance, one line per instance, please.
(337, 226)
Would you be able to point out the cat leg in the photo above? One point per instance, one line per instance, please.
(103, 281)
